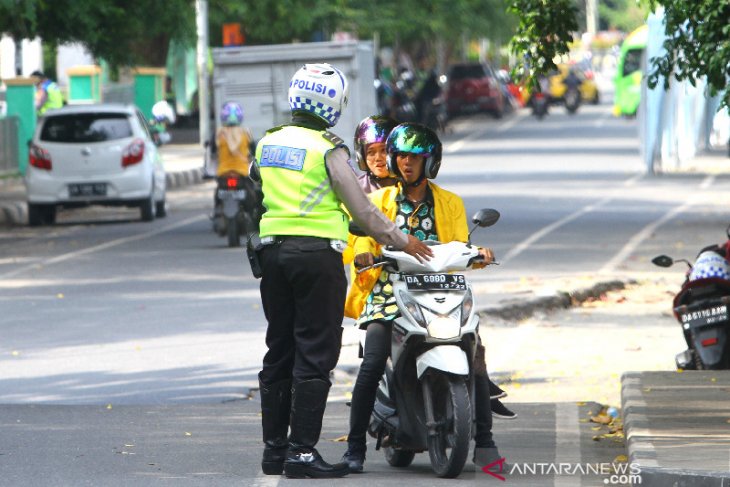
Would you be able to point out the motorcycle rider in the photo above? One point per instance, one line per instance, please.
(370, 136)
(370, 154)
(305, 179)
(421, 208)
(234, 145)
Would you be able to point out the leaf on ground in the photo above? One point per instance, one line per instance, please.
(108, 406)
(340, 439)
(621, 459)
(601, 419)
(188, 433)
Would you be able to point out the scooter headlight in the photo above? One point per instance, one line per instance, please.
(413, 308)
(443, 327)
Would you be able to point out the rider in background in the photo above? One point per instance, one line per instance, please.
(233, 141)
(48, 95)
(425, 210)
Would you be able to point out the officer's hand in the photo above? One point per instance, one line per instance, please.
(418, 249)
(364, 260)
(487, 258)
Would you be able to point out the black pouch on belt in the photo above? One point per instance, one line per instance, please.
(253, 260)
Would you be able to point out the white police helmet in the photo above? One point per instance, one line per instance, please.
(321, 90)
(710, 265)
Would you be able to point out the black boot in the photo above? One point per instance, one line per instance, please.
(354, 457)
(309, 399)
(275, 411)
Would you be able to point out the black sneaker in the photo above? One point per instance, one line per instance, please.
(499, 410)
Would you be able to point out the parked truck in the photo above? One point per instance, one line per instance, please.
(257, 77)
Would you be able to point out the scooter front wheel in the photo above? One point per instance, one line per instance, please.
(398, 458)
(449, 448)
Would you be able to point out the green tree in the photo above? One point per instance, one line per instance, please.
(545, 30)
(624, 15)
(697, 44)
(121, 32)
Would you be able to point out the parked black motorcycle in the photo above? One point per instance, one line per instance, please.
(237, 211)
(701, 307)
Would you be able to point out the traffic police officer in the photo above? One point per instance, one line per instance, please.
(305, 179)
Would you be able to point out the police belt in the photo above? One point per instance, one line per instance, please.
(335, 244)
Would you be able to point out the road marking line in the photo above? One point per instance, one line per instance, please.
(104, 246)
(525, 244)
(646, 232)
(458, 144)
(567, 441)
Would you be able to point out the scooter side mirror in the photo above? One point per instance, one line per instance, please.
(486, 217)
(663, 261)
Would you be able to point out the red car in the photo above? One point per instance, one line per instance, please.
(473, 87)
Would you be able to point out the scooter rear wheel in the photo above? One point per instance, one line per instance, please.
(234, 236)
(449, 449)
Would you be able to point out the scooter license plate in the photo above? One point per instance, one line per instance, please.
(235, 194)
(704, 317)
(434, 282)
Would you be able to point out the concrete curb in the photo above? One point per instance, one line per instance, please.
(640, 448)
(521, 310)
(15, 213)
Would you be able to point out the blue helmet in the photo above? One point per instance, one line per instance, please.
(231, 114)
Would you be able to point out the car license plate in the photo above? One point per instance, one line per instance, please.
(431, 282)
(703, 317)
(87, 189)
(236, 194)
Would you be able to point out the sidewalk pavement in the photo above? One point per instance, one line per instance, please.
(183, 166)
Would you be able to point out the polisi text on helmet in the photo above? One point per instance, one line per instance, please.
(311, 86)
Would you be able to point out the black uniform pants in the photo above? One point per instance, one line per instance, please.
(303, 294)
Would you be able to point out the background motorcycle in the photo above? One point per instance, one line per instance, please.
(426, 396)
(701, 307)
(236, 211)
(539, 102)
(572, 99)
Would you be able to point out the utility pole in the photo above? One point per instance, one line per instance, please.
(592, 17)
(201, 16)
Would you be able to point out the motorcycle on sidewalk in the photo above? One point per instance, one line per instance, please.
(701, 307)
(425, 400)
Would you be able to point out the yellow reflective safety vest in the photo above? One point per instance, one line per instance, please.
(54, 97)
(298, 196)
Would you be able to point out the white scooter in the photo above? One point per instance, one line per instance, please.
(426, 396)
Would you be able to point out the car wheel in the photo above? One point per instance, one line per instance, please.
(161, 209)
(147, 209)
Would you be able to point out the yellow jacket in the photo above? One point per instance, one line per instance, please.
(451, 225)
(233, 159)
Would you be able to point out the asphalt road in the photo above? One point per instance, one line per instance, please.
(102, 309)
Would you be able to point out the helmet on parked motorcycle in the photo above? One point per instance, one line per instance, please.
(231, 114)
(710, 265)
(371, 131)
(413, 138)
(319, 89)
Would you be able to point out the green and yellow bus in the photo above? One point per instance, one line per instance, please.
(627, 83)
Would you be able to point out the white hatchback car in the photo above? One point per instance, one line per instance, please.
(102, 154)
